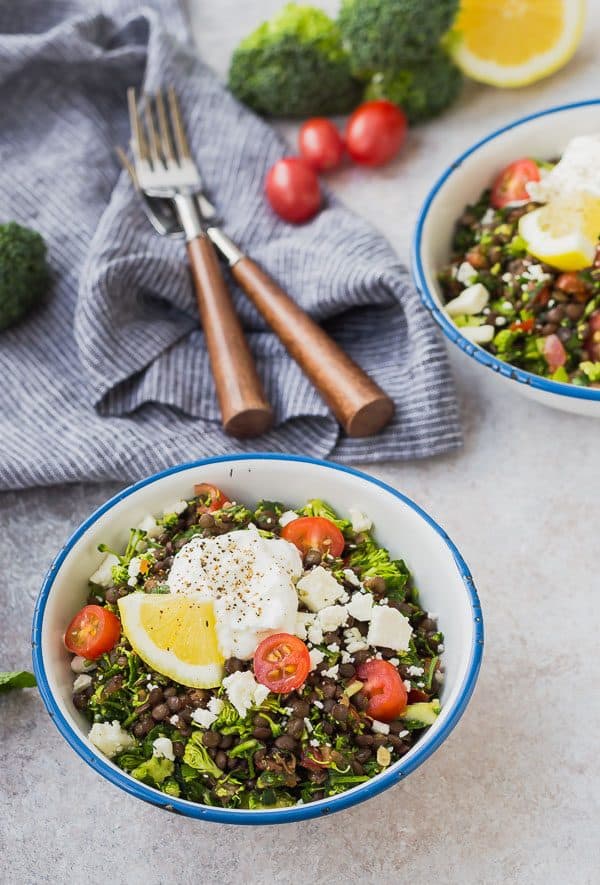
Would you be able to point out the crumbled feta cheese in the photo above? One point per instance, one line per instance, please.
(380, 727)
(318, 704)
(471, 301)
(103, 574)
(404, 733)
(333, 646)
(408, 684)
(394, 661)
(318, 589)
(389, 628)
(506, 305)
(332, 673)
(244, 691)
(134, 567)
(313, 742)
(500, 321)
(110, 738)
(215, 705)
(478, 334)
(354, 641)
(80, 665)
(316, 657)
(287, 516)
(303, 622)
(315, 633)
(537, 273)
(360, 606)
(178, 507)
(174, 719)
(332, 616)
(150, 526)
(82, 682)
(488, 216)
(346, 657)
(162, 747)
(415, 671)
(308, 724)
(203, 717)
(360, 522)
(506, 277)
(351, 577)
(440, 648)
(344, 597)
(465, 273)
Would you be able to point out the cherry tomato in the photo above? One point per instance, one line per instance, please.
(321, 144)
(375, 132)
(281, 662)
(554, 352)
(384, 688)
(92, 632)
(214, 497)
(572, 283)
(314, 533)
(509, 186)
(523, 325)
(293, 189)
(592, 341)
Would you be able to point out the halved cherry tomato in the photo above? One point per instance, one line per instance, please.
(523, 325)
(592, 341)
(281, 662)
(554, 352)
(92, 632)
(384, 688)
(215, 499)
(314, 533)
(321, 144)
(375, 132)
(509, 186)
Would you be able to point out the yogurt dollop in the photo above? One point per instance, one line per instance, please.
(249, 579)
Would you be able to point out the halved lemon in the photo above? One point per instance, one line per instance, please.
(175, 635)
(564, 246)
(515, 42)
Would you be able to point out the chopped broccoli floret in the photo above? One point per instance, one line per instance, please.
(423, 89)
(389, 34)
(196, 756)
(294, 65)
(372, 561)
(316, 507)
(153, 771)
(24, 274)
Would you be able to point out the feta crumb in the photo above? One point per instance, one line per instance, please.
(408, 684)
(471, 301)
(488, 216)
(389, 629)
(332, 616)
(441, 648)
(318, 589)
(332, 673)
(203, 717)
(110, 738)
(316, 657)
(354, 641)
(360, 522)
(174, 719)
(315, 633)
(394, 661)
(150, 526)
(351, 577)
(346, 657)
(506, 277)
(244, 691)
(380, 727)
(313, 742)
(303, 621)
(308, 724)
(415, 671)
(500, 321)
(286, 517)
(81, 665)
(466, 273)
(360, 606)
(215, 705)
(404, 733)
(318, 704)
(333, 646)
(478, 334)
(82, 682)
(178, 507)
(162, 747)
(103, 574)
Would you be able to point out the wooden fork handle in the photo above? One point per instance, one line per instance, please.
(360, 405)
(244, 408)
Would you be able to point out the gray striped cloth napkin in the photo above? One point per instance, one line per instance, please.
(110, 378)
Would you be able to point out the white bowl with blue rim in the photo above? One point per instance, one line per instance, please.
(544, 135)
(445, 583)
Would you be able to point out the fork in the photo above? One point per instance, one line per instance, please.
(164, 168)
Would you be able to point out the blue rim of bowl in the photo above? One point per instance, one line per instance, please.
(448, 328)
(426, 746)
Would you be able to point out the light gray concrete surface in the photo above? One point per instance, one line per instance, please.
(513, 794)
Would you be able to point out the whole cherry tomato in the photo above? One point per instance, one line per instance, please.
(375, 132)
(293, 189)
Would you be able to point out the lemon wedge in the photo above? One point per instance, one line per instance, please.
(175, 635)
(515, 42)
(561, 246)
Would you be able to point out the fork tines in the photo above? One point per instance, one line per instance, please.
(159, 137)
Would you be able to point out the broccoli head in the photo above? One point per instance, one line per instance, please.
(422, 90)
(294, 66)
(389, 34)
(23, 272)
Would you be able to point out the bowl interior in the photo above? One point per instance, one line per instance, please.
(544, 136)
(445, 587)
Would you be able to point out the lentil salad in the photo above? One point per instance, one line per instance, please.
(523, 310)
(315, 740)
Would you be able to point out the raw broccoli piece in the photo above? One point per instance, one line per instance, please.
(153, 771)
(24, 274)
(388, 34)
(316, 507)
(294, 65)
(423, 89)
(372, 561)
